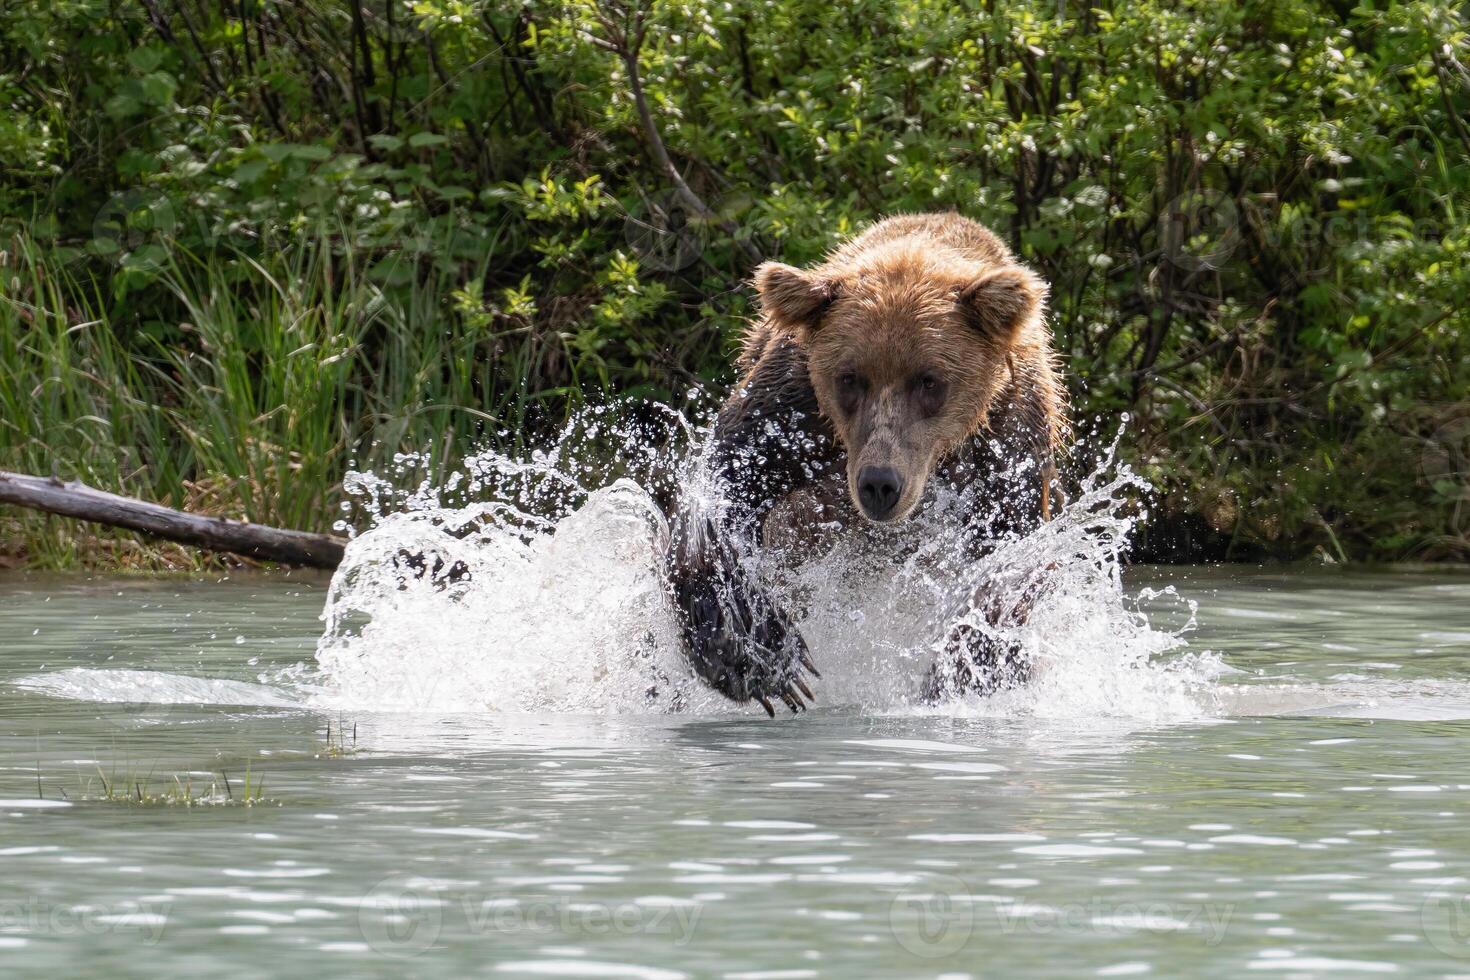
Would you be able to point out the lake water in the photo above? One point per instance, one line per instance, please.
(1307, 817)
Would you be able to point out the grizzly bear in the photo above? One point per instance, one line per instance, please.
(915, 356)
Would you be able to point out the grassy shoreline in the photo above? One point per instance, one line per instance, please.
(297, 370)
(243, 248)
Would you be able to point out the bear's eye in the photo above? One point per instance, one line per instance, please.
(850, 388)
(930, 390)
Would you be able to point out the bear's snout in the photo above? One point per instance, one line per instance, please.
(880, 488)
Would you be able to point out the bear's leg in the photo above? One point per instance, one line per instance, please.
(768, 441)
(418, 566)
(1016, 473)
(739, 639)
(976, 660)
(973, 662)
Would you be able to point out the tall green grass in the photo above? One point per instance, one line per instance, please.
(257, 385)
(73, 401)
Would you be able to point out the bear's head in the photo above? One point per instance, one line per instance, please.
(906, 351)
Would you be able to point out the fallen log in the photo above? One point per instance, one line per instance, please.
(256, 541)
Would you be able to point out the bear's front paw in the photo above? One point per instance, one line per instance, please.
(741, 642)
(975, 662)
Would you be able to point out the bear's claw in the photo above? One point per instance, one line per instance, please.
(739, 640)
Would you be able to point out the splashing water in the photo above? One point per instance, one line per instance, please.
(536, 584)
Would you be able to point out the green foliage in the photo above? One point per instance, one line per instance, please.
(247, 244)
(132, 789)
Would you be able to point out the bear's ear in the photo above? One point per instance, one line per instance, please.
(1001, 301)
(792, 296)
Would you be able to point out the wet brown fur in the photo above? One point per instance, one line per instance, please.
(915, 298)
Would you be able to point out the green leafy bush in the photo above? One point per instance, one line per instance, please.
(258, 241)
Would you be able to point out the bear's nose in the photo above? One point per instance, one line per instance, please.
(879, 488)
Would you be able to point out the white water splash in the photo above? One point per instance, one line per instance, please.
(572, 617)
(564, 608)
(152, 687)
